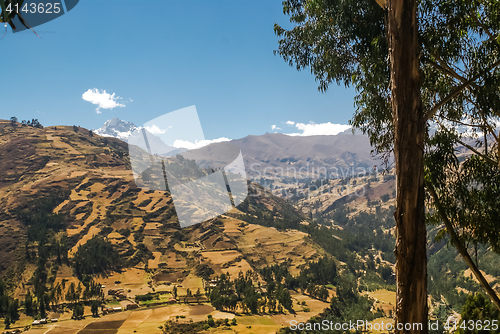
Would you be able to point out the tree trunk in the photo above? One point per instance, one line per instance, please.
(409, 127)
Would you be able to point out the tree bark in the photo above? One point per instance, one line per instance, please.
(409, 127)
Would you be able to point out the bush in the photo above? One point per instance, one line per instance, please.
(211, 321)
(78, 312)
(146, 297)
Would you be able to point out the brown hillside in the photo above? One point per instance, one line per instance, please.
(100, 198)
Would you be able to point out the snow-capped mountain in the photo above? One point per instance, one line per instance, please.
(128, 132)
(117, 128)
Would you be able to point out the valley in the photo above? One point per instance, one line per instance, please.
(76, 233)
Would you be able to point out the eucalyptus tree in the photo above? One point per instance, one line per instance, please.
(460, 56)
(413, 65)
(9, 10)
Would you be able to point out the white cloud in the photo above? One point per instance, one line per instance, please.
(275, 127)
(102, 99)
(156, 130)
(322, 129)
(290, 123)
(198, 144)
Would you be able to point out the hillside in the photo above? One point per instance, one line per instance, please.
(67, 192)
(72, 214)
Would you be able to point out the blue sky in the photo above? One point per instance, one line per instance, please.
(215, 54)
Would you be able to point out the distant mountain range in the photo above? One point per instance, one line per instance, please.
(271, 153)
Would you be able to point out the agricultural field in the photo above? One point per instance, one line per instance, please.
(384, 299)
(148, 319)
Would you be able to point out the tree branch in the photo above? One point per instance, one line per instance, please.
(382, 3)
(479, 23)
(461, 249)
(488, 159)
(430, 113)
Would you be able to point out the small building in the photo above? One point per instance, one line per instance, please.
(106, 310)
(36, 322)
(54, 320)
(43, 321)
(117, 309)
(132, 306)
(121, 295)
(172, 301)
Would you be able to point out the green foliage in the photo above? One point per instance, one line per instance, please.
(96, 256)
(468, 191)
(173, 327)
(386, 273)
(38, 217)
(71, 295)
(284, 216)
(445, 274)
(198, 295)
(13, 311)
(28, 303)
(8, 305)
(142, 254)
(211, 321)
(479, 309)
(78, 312)
(343, 42)
(358, 234)
(146, 297)
(7, 321)
(228, 293)
(347, 306)
(94, 308)
(174, 291)
(346, 42)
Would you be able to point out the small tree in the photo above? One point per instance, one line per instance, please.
(41, 306)
(78, 293)
(78, 312)
(28, 303)
(94, 308)
(13, 120)
(211, 321)
(198, 295)
(7, 321)
(385, 197)
(14, 310)
(174, 291)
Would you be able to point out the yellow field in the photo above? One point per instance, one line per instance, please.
(384, 299)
